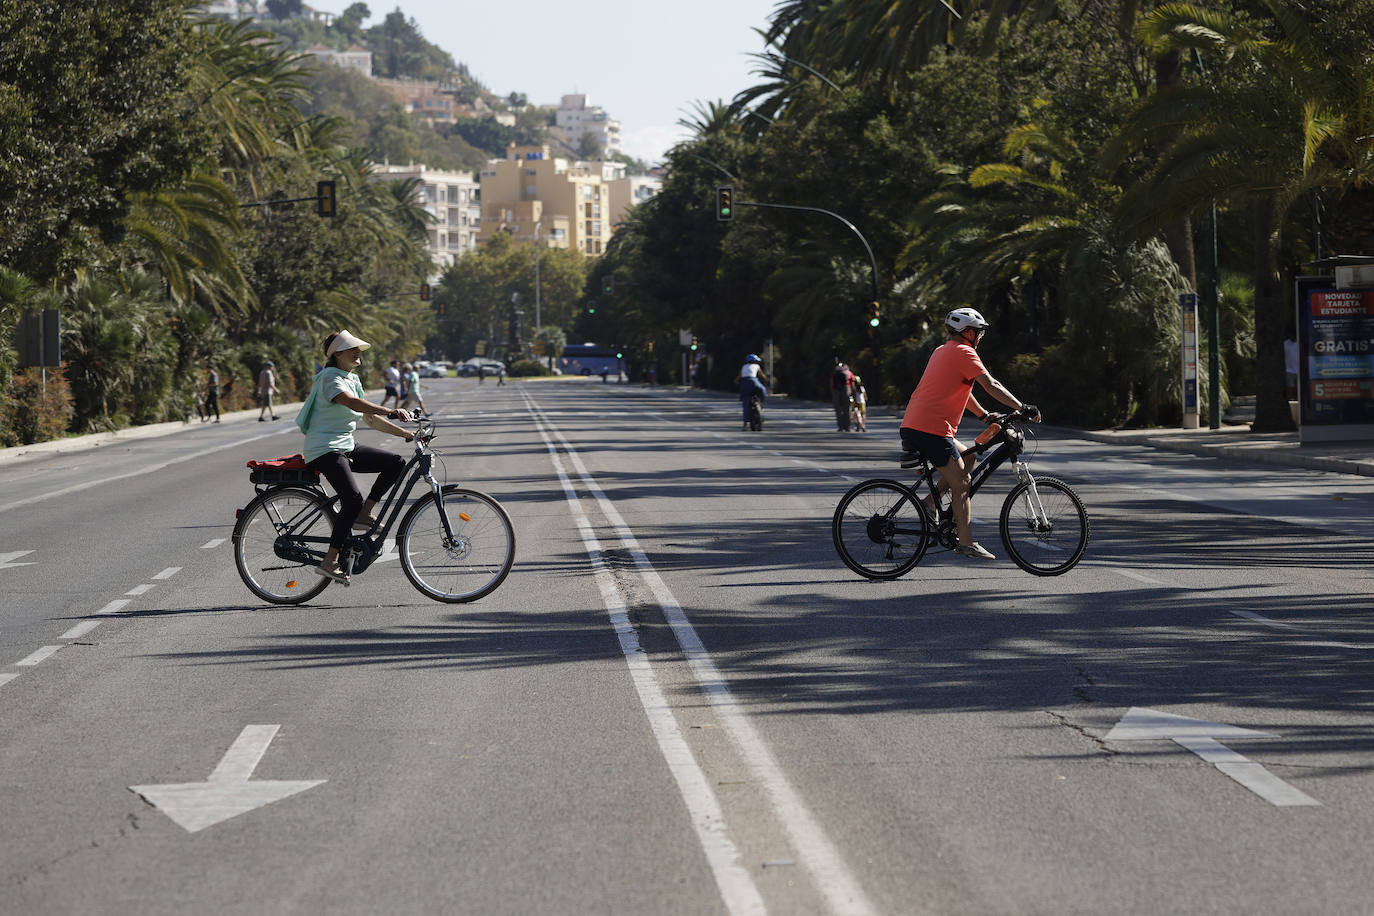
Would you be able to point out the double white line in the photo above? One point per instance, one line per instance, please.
(814, 849)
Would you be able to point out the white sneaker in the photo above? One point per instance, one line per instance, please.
(974, 550)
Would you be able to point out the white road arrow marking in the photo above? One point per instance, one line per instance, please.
(1199, 736)
(228, 792)
(7, 559)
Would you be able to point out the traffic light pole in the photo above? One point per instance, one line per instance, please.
(872, 262)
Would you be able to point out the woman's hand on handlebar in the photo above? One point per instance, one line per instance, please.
(400, 413)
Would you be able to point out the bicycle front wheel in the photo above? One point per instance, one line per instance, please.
(279, 539)
(1044, 526)
(470, 563)
(880, 530)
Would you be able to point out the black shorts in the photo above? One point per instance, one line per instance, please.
(391, 392)
(938, 450)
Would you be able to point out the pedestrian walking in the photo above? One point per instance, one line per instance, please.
(212, 395)
(500, 376)
(267, 386)
(841, 383)
(392, 376)
(411, 377)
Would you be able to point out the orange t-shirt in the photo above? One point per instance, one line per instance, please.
(939, 400)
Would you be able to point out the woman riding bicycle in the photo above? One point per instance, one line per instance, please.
(328, 418)
(938, 403)
(752, 382)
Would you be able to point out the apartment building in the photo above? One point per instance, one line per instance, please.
(629, 191)
(454, 200)
(575, 119)
(533, 195)
(355, 58)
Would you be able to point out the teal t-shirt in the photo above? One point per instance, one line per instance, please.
(328, 427)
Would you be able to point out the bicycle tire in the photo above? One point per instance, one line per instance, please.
(880, 529)
(1028, 543)
(474, 564)
(258, 546)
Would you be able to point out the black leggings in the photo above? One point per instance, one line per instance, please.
(338, 469)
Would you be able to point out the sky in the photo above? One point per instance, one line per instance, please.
(646, 62)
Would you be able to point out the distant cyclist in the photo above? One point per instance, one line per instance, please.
(752, 381)
(938, 403)
(328, 418)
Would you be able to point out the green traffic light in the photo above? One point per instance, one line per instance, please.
(873, 322)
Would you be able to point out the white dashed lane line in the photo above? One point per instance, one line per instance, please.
(211, 545)
(36, 656)
(81, 629)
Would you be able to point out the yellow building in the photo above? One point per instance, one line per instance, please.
(534, 196)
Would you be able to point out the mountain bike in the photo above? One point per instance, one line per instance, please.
(882, 528)
(455, 544)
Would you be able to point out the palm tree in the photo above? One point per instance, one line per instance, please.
(1288, 114)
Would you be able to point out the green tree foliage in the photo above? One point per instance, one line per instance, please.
(93, 107)
(483, 289)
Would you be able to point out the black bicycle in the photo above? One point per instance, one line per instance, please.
(455, 544)
(882, 528)
(756, 413)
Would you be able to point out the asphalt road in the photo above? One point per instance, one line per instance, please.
(680, 701)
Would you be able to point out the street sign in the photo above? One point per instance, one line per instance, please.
(228, 792)
(480, 349)
(39, 339)
(1199, 736)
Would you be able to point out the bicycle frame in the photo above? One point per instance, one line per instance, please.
(1009, 443)
(360, 550)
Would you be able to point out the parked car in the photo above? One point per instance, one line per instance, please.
(434, 370)
(469, 368)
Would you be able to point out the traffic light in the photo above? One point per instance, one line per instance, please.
(694, 342)
(424, 292)
(326, 204)
(651, 346)
(591, 308)
(608, 284)
(443, 308)
(873, 317)
(725, 203)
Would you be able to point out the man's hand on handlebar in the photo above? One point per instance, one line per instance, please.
(1030, 412)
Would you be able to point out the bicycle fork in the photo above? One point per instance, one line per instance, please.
(1035, 509)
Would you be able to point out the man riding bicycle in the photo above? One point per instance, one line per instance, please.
(752, 383)
(936, 406)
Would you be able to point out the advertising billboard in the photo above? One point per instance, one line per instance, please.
(1335, 361)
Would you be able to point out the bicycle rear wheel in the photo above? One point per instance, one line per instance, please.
(279, 539)
(470, 564)
(1044, 526)
(880, 530)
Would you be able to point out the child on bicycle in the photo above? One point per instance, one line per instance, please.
(936, 406)
(859, 405)
(328, 418)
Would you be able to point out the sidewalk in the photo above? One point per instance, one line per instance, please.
(287, 413)
(1233, 440)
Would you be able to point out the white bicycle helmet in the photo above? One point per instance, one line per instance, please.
(964, 319)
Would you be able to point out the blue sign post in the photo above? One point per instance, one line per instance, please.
(1188, 306)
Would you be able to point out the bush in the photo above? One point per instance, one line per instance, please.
(527, 367)
(30, 413)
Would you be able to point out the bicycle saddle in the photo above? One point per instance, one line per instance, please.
(912, 459)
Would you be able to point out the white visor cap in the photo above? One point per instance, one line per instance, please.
(346, 341)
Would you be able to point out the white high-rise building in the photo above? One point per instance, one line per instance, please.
(454, 199)
(575, 118)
